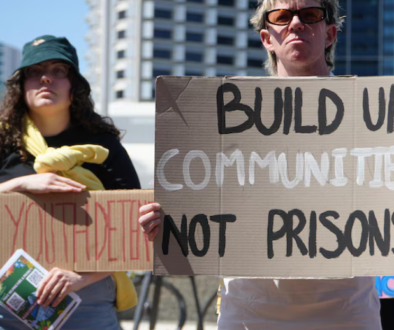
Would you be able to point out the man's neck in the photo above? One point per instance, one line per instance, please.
(299, 70)
(51, 125)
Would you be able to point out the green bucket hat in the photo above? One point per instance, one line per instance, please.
(49, 47)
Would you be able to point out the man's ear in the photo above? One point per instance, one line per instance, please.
(265, 37)
(331, 34)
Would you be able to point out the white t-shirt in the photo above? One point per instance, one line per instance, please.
(259, 304)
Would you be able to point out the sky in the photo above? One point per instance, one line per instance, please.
(24, 20)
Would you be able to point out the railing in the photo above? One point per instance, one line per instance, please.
(145, 282)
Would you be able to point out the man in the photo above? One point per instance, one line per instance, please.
(300, 38)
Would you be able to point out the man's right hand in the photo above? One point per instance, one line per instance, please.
(150, 219)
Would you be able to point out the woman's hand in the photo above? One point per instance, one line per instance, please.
(150, 219)
(41, 184)
(59, 282)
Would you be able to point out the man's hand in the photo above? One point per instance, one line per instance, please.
(150, 219)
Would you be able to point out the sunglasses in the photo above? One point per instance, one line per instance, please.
(58, 70)
(310, 15)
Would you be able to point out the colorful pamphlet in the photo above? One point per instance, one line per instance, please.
(19, 280)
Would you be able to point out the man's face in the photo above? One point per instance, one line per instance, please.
(299, 45)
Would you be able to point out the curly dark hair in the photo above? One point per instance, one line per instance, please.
(14, 107)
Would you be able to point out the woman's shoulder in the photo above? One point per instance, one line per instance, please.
(13, 166)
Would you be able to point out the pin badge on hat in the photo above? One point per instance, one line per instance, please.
(37, 42)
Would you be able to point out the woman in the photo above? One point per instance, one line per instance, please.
(300, 37)
(48, 104)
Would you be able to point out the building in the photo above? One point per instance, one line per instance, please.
(10, 59)
(133, 41)
(366, 43)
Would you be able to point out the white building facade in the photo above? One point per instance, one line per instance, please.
(133, 41)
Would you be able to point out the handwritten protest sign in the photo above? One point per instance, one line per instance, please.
(385, 286)
(89, 231)
(275, 177)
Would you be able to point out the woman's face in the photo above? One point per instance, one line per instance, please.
(47, 87)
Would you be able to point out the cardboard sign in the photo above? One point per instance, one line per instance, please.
(385, 286)
(88, 231)
(275, 177)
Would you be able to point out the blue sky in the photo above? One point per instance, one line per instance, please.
(24, 20)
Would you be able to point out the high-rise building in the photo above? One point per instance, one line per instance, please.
(10, 59)
(366, 43)
(133, 41)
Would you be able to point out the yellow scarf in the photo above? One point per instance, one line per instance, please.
(67, 161)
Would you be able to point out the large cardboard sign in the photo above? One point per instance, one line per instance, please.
(275, 177)
(89, 231)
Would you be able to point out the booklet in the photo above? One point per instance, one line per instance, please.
(19, 280)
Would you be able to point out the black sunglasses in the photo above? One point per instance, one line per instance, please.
(309, 15)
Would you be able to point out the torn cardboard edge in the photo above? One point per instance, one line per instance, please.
(163, 264)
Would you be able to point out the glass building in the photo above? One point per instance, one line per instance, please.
(366, 42)
(10, 59)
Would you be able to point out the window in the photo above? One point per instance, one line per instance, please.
(160, 72)
(193, 73)
(161, 53)
(194, 36)
(223, 40)
(252, 4)
(121, 34)
(224, 73)
(224, 59)
(229, 3)
(388, 68)
(193, 57)
(255, 63)
(225, 20)
(163, 13)
(194, 17)
(254, 43)
(120, 74)
(365, 68)
(162, 34)
(119, 94)
(122, 14)
(121, 54)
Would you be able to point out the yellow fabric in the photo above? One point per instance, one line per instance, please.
(67, 161)
(126, 296)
